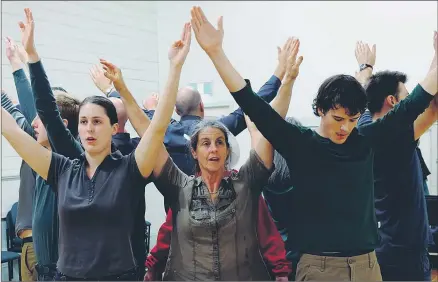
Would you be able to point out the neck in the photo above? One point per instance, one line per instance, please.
(94, 160)
(320, 130)
(380, 114)
(212, 180)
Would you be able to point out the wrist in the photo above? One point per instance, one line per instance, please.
(279, 72)
(107, 90)
(214, 53)
(16, 64)
(33, 57)
(288, 80)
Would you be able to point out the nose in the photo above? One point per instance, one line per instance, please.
(345, 127)
(213, 148)
(90, 127)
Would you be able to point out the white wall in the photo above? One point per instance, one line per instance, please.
(328, 32)
(70, 37)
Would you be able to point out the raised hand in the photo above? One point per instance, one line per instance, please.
(179, 49)
(151, 102)
(27, 32)
(283, 54)
(293, 64)
(12, 50)
(209, 38)
(100, 80)
(435, 41)
(114, 74)
(365, 55)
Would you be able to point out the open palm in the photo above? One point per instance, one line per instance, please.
(293, 64)
(208, 37)
(27, 32)
(179, 49)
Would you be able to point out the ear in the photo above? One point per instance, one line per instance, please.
(201, 106)
(65, 122)
(115, 128)
(320, 113)
(195, 156)
(391, 101)
(177, 112)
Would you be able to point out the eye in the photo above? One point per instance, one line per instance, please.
(83, 121)
(220, 142)
(338, 118)
(96, 121)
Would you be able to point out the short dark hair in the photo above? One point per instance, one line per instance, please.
(381, 85)
(340, 91)
(105, 103)
(69, 109)
(204, 124)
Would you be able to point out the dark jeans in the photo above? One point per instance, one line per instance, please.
(408, 266)
(46, 272)
(130, 275)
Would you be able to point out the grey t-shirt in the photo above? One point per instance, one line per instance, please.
(96, 216)
(25, 198)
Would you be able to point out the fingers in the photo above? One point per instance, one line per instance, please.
(195, 21)
(194, 26)
(29, 16)
(107, 64)
(220, 24)
(374, 49)
(21, 25)
(188, 34)
(299, 61)
(183, 34)
(278, 50)
(201, 15)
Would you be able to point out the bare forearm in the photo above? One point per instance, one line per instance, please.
(281, 103)
(33, 57)
(227, 72)
(151, 143)
(434, 63)
(364, 75)
(16, 65)
(280, 72)
(430, 82)
(30, 151)
(137, 117)
(167, 101)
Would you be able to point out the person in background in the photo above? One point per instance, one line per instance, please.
(277, 196)
(399, 179)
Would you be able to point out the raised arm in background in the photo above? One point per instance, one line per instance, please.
(430, 115)
(267, 120)
(211, 39)
(17, 57)
(366, 59)
(61, 139)
(151, 151)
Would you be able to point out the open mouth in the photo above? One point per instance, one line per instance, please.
(90, 139)
(214, 159)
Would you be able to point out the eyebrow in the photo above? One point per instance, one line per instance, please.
(91, 117)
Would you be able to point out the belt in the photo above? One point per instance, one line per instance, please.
(340, 254)
(27, 240)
